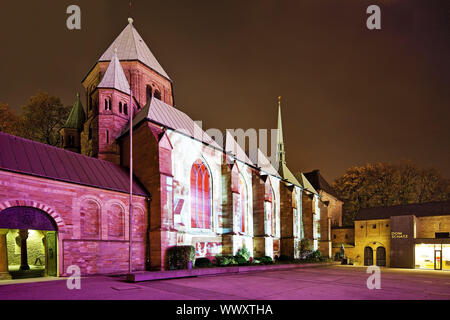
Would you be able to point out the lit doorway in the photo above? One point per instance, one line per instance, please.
(437, 259)
(28, 243)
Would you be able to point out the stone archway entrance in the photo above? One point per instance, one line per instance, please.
(368, 256)
(381, 257)
(28, 238)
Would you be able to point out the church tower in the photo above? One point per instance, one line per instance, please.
(70, 133)
(127, 63)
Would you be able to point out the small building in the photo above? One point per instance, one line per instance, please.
(404, 236)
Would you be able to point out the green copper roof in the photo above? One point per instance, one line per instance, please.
(76, 117)
(286, 174)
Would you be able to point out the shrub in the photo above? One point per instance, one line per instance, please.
(203, 263)
(240, 260)
(265, 260)
(304, 255)
(222, 261)
(180, 256)
(305, 245)
(314, 256)
(243, 254)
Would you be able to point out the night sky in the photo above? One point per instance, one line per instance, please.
(350, 95)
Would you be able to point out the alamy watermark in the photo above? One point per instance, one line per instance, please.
(74, 281)
(374, 20)
(374, 281)
(73, 22)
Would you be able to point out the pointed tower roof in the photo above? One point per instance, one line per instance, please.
(114, 77)
(280, 141)
(130, 46)
(283, 169)
(77, 116)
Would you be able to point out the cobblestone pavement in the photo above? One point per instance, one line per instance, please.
(318, 283)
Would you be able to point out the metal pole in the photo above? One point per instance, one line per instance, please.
(130, 222)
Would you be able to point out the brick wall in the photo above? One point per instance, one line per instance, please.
(91, 248)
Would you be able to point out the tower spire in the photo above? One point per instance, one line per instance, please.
(130, 5)
(280, 141)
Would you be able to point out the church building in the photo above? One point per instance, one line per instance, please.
(70, 205)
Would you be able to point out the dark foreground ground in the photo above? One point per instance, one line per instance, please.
(325, 282)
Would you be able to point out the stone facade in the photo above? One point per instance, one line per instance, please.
(102, 247)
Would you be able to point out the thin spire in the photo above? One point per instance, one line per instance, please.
(130, 7)
(280, 141)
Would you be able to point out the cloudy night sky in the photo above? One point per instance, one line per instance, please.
(350, 95)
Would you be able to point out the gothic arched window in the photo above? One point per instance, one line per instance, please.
(125, 109)
(120, 107)
(148, 91)
(157, 95)
(270, 212)
(200, 196)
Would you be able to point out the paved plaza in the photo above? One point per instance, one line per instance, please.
(314, 283)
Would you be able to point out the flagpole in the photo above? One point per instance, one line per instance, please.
(130, 222)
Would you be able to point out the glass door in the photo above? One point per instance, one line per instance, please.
(438, 260)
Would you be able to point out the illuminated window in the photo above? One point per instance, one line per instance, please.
(200, 196)
(270, 213)
(242, 206)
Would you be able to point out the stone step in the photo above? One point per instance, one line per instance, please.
(197, 272)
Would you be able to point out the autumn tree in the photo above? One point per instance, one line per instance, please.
(42, 118)
(9, 120)
(386, 184)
